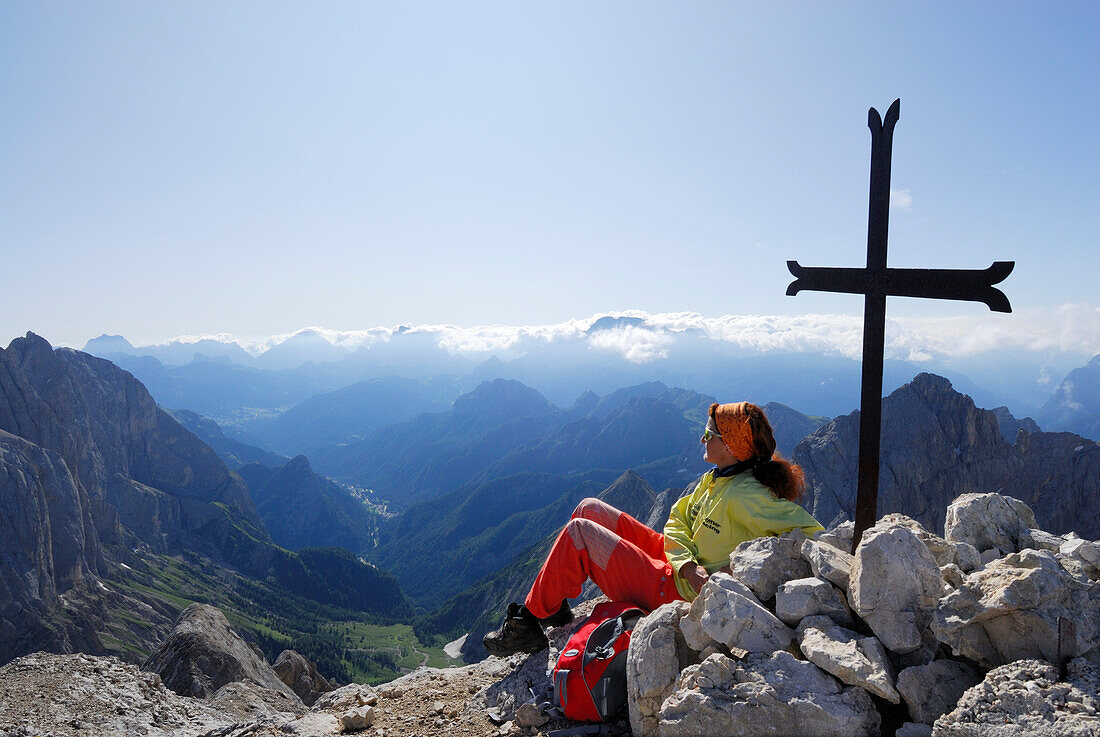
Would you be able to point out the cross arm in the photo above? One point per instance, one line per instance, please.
(970, 285)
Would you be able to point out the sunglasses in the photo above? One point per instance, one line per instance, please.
(707, 435)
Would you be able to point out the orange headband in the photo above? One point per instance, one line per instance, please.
(733, 426)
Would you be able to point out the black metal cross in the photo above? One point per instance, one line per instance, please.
(876, 282)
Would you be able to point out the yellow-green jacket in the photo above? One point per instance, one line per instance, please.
(707, 524)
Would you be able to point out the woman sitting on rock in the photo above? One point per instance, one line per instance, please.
(751, 493)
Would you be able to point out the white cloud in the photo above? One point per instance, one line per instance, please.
(901, 199)
(635, 344)
(1070, 328)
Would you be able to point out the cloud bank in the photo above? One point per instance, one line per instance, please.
(639, 337)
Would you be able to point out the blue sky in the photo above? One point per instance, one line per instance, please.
(255, 168)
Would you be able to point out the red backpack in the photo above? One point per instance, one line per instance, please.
(590, 677)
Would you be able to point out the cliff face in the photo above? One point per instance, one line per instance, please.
(88, 460)
(141, 471)
(937, 445)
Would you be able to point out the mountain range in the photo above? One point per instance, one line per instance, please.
(810, 363)
(111, 506)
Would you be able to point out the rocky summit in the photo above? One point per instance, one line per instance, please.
(954, 636)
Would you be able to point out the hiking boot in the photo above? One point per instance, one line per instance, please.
(520, 633)
(564, 615)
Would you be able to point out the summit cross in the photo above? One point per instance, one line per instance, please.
(876, 282)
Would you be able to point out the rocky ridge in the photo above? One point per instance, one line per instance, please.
(936, 445)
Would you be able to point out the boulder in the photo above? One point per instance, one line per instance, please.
(988, 521)
(298, 672)
(854, 659)
(805, 597)
(914, 729)
(828, 562)
(727, 612)
(765, 563)
(967, 557)
(1086, 550)
(358, 719)
(1009, 610)
(839, 537)
(1039, 540)
(895, 586)
(934, 689)
(657, 655)
(203, 653)
(765, 695)
(1025, 699)
(941, 550)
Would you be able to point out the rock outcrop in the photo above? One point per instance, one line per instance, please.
(300, 674)
(203, 654)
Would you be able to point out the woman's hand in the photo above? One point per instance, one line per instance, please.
(694, 574)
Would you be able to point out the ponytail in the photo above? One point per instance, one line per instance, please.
(785, 479)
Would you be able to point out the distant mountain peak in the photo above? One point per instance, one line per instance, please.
(607, 322)
(500, 396)
(108, 344)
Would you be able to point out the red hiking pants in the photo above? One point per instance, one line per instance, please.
(625, 558)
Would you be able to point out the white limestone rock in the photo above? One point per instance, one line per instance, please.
(934, 689)
(941, 550)
(988, 521)
(828, 562)
(895, 586)
(765, 695)
(839, 537)
(765, 563)
(356, 720)
(967, 557)
(1084, 552)
(1009, 610)
(1025, 699)
(1039, 540)
(854, 659)
(805, 597)
(727, 612)
(657, 655)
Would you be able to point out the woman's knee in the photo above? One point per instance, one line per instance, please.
(598, 511)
